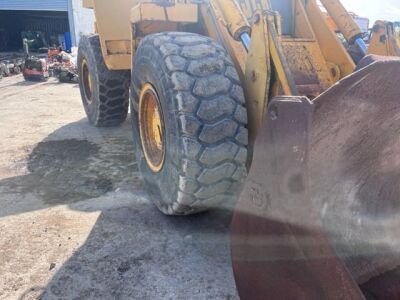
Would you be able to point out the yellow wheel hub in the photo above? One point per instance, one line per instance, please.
(151, 128)
(87, 81)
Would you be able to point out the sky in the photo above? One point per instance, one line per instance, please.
(375, 9)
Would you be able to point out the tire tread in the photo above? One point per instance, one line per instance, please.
(212, 117)
(113, 87)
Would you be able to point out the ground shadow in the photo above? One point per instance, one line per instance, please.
(133, 251)
(57, 82)
(24, 82)
(74, 163)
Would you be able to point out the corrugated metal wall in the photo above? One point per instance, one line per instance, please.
(51, 5)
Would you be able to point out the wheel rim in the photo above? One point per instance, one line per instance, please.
(151, 127)
(87, 82)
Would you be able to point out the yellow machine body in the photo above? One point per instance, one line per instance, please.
(308, 50)
(385, 39)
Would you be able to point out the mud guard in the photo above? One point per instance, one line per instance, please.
(320, 211)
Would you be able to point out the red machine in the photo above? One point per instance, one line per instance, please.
(36, 69)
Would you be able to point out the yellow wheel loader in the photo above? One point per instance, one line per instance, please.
(385, 39)
(259, 100)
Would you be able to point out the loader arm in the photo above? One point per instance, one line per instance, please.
(291, 52)
(346, 23)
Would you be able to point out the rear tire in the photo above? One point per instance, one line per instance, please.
(204, 122)
(105, 93)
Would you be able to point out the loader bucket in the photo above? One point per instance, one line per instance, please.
(319, 216)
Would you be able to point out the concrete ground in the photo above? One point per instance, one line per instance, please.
(75, 222)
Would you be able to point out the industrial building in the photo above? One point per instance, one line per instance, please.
(45, 23)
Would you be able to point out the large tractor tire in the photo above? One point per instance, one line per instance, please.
(189, 122)
(105, 93)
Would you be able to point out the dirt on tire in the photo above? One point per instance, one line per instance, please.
(205, 120)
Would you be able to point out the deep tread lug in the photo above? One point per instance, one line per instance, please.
(205, 108)
(110, 88)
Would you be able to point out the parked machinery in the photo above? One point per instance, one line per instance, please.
(220, 87)
(13, 67)
(4, 71)
(10, 67)
(385, 39)
(35, 69)
(63, 67)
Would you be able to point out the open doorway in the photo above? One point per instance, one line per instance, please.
(43, 29)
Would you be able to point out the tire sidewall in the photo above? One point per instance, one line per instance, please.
(205, 119)
(161, 185)
(85, 52)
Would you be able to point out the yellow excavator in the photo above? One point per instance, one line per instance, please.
(259, 100)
